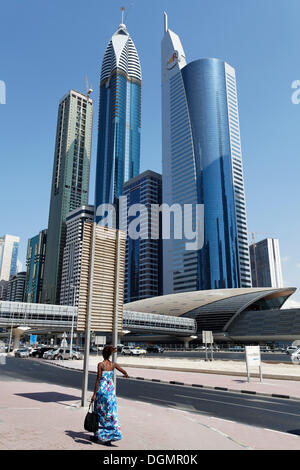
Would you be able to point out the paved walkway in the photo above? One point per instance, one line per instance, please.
(43, 416)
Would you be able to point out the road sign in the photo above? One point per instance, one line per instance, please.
(100, 339)
(207, 337)
(33, 339)
(253, 359)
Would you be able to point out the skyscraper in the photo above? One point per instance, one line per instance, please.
(16, 287)
(35, 261)
(202, 164)
(71, 268)
(266, 263)
(9, 246)
(70, 181)
(143, 256)
(118, 153)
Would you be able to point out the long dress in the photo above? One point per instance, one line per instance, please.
(106, 407)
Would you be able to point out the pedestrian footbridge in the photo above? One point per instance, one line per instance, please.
(59, 318)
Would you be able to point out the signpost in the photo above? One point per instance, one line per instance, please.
(207, 338)
(33, 339)
(253, 359)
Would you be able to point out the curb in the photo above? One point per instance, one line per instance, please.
(173, 382)
(204, 371)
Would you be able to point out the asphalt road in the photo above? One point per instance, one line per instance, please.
(229, 356)
(272, 413)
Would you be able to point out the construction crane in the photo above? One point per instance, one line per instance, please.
(89, 88)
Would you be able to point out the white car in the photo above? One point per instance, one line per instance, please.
(48, 354)
(291, 349)
(295, 356)
(130, 351)
(142, 350)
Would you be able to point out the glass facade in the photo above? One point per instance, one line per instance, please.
(205, 87)
(266, 263)
(143, 256)
(14, 259)
(202, 164)
(35, 261)
(9, 247)
(118, 153)
(70, 182)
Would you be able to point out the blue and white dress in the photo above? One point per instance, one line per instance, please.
(106, 407)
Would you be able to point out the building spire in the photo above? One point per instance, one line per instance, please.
(122, 10)
(166, 21)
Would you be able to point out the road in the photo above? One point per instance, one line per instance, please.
(266, 412)
(229, 356)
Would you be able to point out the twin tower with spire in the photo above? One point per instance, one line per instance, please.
(201, 156)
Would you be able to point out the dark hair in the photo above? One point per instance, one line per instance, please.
(107, 351)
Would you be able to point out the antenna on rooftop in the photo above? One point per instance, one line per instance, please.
(166, 21)
(122, 10)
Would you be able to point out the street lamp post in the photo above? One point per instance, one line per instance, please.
(116, 313)
(72, 329)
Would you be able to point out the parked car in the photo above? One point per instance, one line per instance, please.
(130, 351)
(155, 349)
(40, 351)
(48, 354)
(295, 356)
(24, 352)
(142, 350)
(291, 349)
(64, 353)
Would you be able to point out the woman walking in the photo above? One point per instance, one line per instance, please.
(105, 400)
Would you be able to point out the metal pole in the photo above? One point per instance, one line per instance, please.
(72, 329)
(260, 373)
(116, 315)
(88, 323)
(10, 336)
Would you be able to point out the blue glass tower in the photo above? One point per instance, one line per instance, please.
(118, 153)
(143, 263)
(35, 261)
(202, 164)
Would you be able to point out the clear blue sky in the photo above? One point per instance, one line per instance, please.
(48, 46)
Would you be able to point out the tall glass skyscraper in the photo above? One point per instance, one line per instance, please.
(9, 246)
(35, 261)
(143, 263)
(266, 263)
(202, 164)
(70, 182)
(118, 153)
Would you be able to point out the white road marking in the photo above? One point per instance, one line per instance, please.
(15, 408)
(236, 404)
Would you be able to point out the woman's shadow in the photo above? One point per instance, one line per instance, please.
(80, 437)
(84, 438)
